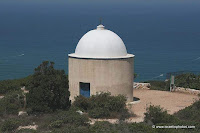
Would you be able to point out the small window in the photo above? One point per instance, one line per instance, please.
(85, 89)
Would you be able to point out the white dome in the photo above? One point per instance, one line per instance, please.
(100, 43)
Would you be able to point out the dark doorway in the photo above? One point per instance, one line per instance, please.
(85, 89)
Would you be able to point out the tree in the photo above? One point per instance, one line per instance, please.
(48, 89)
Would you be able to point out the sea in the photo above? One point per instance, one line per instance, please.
(163, 35)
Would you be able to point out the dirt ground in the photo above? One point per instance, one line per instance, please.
(171, 101)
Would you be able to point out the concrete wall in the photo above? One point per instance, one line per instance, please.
(109, 75)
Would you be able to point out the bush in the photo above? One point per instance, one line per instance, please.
(116, 103)
(13, 85)
(82, 103)
(106, 127)
(10, 125)
(99, 112)
(102, 105)
(27, 131)
(159, 85)
(124, 114)
(70, 117)
(11, 103)
(56, 124)
(72, 129)
(188, 80)
(140, 128)
(191, 113)
(103, 127)
(156, 114)
(197, 104)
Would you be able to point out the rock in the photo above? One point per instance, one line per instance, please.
(187, 90)
(80, 112)
(137, 85)
(24, 90)
(22, 113)
(33, 127)
(1, 97)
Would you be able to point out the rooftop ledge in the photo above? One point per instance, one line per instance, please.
(73, 55)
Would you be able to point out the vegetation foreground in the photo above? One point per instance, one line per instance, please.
(48, 107)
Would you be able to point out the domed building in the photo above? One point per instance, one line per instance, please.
(101, 64)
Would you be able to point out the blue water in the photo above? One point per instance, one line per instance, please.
(164, 36)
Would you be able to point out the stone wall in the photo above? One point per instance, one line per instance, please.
(187, 90)
(137, 85)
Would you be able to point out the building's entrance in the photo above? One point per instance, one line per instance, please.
(84, 89)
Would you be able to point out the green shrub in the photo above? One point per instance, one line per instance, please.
(27, 131)
(9, 85)
(13, 85)
(116, 103)
(125, 114)
(72, 117)
(72, 129)
(102, 127)
(56, 124)
(100, 100)
(10, 125)
(156, 114)
(197, 104)
(99, 113)
(139, 128)
(103, 105)
(106, 127)
(11, 103)
(82, 102)
(191, 113)
(188, 80)
(159, 85)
